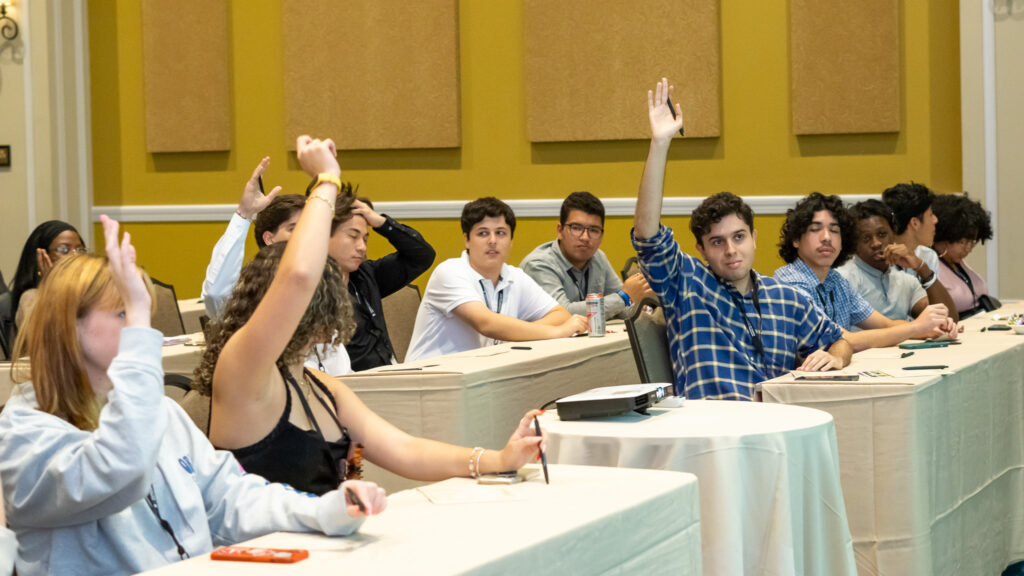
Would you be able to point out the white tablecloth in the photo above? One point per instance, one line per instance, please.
(770, 496)
(183, 358)
(932, 467)
(476, 398)
(191, 309)
(588, 521)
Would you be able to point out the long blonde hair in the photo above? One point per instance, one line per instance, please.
(49, 337)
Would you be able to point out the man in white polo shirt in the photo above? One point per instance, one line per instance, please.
(478, 300)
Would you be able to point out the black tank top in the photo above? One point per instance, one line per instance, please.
(300, 458)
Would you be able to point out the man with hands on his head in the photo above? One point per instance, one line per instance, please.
(478, 300)
(369, 281)
(728, 326)
(573, 265)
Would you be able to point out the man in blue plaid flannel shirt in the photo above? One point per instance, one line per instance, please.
(818, 237)
(728, 326)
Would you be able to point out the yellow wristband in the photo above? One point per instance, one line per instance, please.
(323, 177)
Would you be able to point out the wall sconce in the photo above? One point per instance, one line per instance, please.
(8, 27)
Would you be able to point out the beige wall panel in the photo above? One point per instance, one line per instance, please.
(186, 75)
(372, 74)
(588, 61)
(845, 66)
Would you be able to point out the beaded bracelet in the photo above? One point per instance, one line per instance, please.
(330, 203)
(474, 462)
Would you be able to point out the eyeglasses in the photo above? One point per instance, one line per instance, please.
(64, 250)
(578, 230)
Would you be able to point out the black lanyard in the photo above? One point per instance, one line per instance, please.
(962, 274)
(755, 335)
(586, 283)
(364, 303)
(487, 301)
(151, 500)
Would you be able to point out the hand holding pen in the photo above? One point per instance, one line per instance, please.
(525, 445)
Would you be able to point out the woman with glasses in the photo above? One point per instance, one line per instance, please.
(962, 224)
(46, 245)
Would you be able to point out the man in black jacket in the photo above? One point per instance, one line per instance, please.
(369, 281)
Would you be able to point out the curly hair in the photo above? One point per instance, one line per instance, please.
(907, 201)
(328, 319)
(871, 207)
(713, 209)
(961, 218)
(800, 217)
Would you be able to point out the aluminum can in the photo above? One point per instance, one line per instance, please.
(595, 315)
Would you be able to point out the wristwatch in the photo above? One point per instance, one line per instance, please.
(322, 177)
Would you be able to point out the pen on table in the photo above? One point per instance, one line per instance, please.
(543, 456)
(907, 354)
(935, 367)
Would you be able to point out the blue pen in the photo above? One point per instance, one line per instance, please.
(543, 456)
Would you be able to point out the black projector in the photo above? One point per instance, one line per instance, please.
(611, 401)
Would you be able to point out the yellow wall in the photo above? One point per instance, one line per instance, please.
(757, 154)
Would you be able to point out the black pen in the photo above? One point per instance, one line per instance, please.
(935, 367)
(355, 499)
(543, 456)
(260, 180)
(672, 109)
(907, 354)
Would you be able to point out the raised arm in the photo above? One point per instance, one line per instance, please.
(663, 127)
(226, 260)
(242, 372)
(557, 323)
(412, 256)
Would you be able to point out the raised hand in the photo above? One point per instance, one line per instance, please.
(360, 208)
(524, 445)
(372, 497)
(663, 125)
(253, 200)
(316, 156)
(126, 277)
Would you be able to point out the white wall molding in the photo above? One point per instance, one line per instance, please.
(446, 209)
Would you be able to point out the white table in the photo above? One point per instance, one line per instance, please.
(588, 521)
(191, 309)
(933, 466)
(476, 398)
(770, 497)
(183, 358)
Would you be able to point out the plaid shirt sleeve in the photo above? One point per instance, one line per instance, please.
(814, 330)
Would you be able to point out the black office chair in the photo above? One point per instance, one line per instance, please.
(167, 317)
(6, 327)
(648, 338)
(631, 267)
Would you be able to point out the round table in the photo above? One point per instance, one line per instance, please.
(770, 496)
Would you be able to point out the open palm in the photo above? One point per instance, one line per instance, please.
(663, 124)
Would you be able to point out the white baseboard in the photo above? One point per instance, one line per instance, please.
(447, 209)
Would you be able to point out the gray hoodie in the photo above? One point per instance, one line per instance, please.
(77, 500)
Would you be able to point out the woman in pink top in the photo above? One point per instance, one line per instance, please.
(962, 224)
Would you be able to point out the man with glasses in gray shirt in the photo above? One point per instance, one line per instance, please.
(573, 265)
